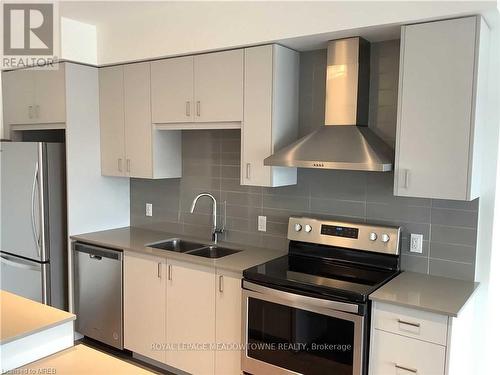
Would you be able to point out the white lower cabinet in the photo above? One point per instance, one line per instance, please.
(144, 300)
(190, 317)
(185, 315)
(406, 341)
(396, 354)
(228, 325)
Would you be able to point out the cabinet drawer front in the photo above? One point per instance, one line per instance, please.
(412, 323)
(398, 355)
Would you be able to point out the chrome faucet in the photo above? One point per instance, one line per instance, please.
(215, 231)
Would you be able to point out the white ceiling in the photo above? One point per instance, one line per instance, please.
(138, 30)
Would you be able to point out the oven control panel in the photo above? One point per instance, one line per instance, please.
(360, 236)
(339, 231)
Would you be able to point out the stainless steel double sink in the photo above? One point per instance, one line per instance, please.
(193, 248)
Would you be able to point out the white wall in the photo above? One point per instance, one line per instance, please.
(487, 329)
(140, 30)
(78, 41)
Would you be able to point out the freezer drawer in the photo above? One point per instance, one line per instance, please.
(25, 278)
(98, 293)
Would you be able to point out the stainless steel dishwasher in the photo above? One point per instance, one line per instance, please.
(98, 293)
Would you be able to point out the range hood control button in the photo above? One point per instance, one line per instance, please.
(373, 236)
(385, 238)
(298, 227)
(308, 228)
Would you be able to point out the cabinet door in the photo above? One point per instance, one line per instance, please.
(270, 113)
(18, 97)
(190, 317)
(172, 90)
(111, 112)
(218, 86)
(257, 127)
(437, 73)
(144, 300)
(50, 95)
(228, 325)
(138, 127)
(399, 355)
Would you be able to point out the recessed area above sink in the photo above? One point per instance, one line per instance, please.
(213, 251)
(178, 245)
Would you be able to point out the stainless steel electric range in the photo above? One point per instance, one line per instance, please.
(308, 312)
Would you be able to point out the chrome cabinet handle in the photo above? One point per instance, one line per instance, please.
(198, 108)
(406, 179)
(120, 165)
(248, 170)
(417, 325)
(221, 283)
(30, 111)
(188, 109)
(128, 165)
(36, 235)
(399, 367)
(159, 270)
(169, 276)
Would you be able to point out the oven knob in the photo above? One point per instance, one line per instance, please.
(373, 236)
(385, 237)
(308, 228)
(298, 227)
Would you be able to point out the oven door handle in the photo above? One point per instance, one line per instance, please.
(305, 300)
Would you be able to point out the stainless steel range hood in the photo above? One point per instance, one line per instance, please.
(345, 141)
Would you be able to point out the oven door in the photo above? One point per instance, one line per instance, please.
(286, 333)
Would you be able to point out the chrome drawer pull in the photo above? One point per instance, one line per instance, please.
(405, 368)
(221, 283)
(409, 323)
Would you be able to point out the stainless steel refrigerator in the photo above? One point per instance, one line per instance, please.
(33, 221)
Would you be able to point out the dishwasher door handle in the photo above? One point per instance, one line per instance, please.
(96, 257)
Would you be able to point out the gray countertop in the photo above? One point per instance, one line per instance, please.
(135, 239)
(425, 292)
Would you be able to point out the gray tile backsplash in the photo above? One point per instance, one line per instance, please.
(211, 162)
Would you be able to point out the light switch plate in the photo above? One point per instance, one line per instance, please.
(416, 243)
(149, 209)
(261, 223)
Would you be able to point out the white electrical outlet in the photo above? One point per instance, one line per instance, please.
(149, 209)
(261, 223)
(416, 243)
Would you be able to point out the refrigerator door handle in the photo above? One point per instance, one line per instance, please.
(36, 235)
(10, 262)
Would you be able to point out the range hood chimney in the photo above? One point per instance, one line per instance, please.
(345, 141)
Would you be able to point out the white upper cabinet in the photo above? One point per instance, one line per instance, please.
(34, 96)
(172, 90)
(18, 96)
(129, 144)
(204, 88)
(138, 127)
(270, 113)
(441, 88)
(218, 83)
(50, 95)
(112, 121)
